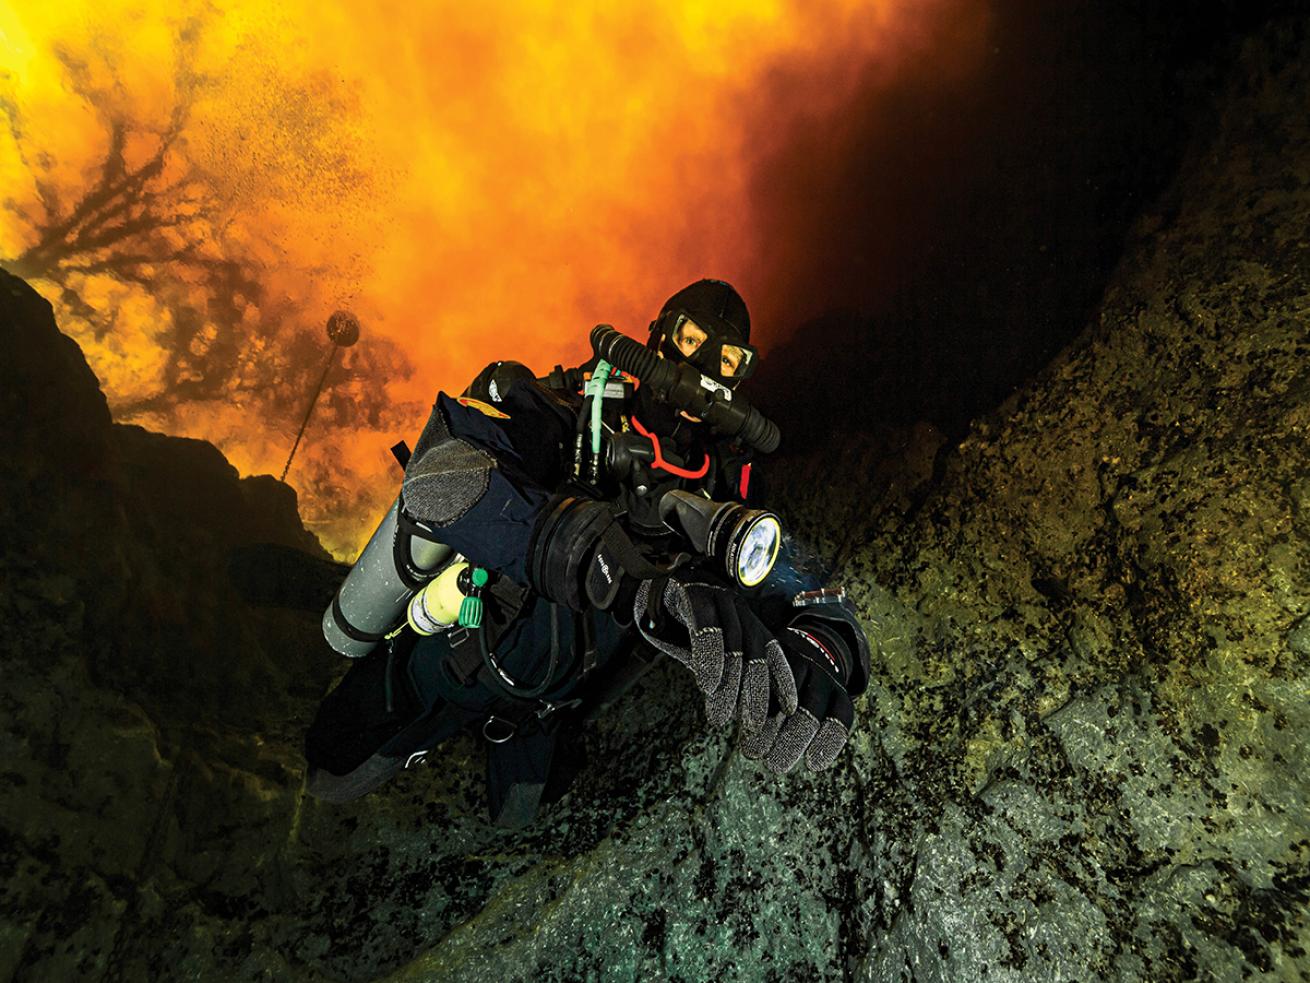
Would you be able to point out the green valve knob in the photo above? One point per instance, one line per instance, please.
(470, 612)
(470, 609)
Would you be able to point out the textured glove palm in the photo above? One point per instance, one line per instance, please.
(739, 666)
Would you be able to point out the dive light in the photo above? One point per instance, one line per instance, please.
(743, 541)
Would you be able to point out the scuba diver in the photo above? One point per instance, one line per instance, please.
(554, 535)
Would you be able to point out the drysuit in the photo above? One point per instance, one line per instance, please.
(486, 475)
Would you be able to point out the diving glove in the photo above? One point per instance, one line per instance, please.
(829, 659)
(792, 690)
(737, 663)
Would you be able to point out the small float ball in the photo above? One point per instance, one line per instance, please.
(343, 329)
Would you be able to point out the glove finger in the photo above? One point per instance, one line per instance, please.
(678, 603)
(840, 708)
(827, 744)
(704, 624)
(753, 641)
(814, 688)
(707, 658)
(756, 745)
(754, 699)
(782, 681)
(833, 731)
(725, 617)
(721, 702)
(727, 606)
(793, 740)
(683, 655)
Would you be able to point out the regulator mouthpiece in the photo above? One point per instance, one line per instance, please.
(743, 542)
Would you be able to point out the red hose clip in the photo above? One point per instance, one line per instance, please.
(664, 465)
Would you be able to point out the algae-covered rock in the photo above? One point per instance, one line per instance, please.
(149, 721)
(1100, 746)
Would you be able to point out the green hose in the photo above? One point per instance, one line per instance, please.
(595, 388)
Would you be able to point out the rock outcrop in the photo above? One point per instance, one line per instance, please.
(1083, 754)
(1088, 757)
(150, 719)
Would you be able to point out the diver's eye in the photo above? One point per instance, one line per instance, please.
(688, 336)
(729, 365)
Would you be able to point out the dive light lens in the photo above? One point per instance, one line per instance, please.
(756, 550)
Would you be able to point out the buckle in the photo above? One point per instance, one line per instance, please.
(547, 708)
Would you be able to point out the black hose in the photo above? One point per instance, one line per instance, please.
(507, 682)
(632, 357)
(680, 384)
(741, 421)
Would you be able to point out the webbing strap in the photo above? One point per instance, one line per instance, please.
(349, 630)
(504, 601)
(583, 630)
(623, 549)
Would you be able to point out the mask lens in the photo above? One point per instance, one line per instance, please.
(723, 360)
(686, 335)
(737, 358)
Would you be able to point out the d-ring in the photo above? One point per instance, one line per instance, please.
(497, 730)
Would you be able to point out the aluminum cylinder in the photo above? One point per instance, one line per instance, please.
(372, 599)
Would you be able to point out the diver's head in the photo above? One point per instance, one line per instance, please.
(708, 325)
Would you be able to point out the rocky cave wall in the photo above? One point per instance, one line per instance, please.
(1083, 754)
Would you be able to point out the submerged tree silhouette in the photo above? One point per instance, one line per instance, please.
(145, 219)
(129, 218)
(128, 222)
(149, 217)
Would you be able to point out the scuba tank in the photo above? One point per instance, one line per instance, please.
(454, 595)
(400, 558)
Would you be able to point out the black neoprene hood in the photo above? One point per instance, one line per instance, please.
(715, 305)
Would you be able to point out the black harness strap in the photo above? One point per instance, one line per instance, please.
(634, 564)
(349, 630)
(582, 629)
(504, 601)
